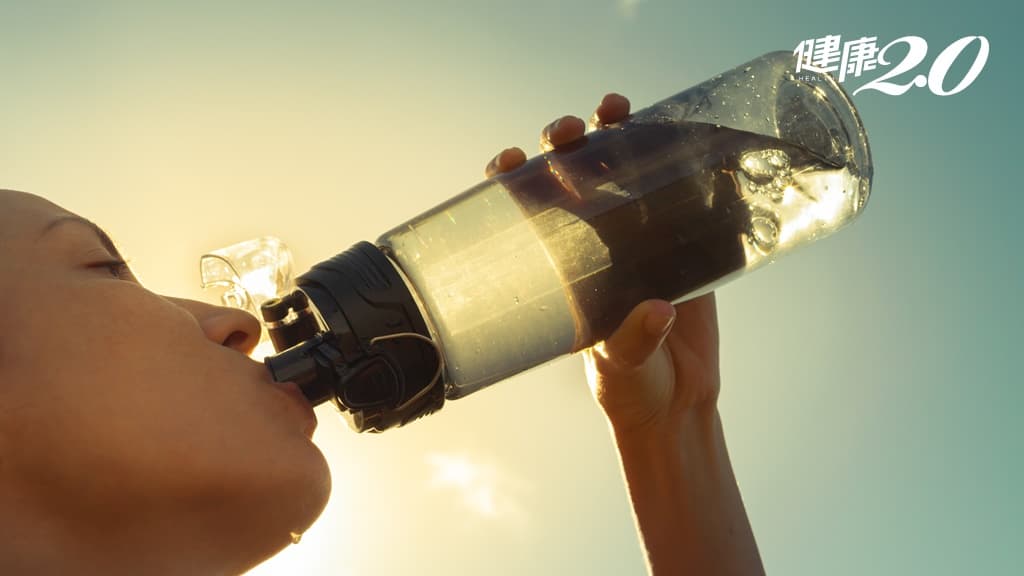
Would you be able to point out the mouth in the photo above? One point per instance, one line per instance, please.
(296, 396)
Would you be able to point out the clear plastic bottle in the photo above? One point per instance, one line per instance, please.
(677, 200)
(549, 258)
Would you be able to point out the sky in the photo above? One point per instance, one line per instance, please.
(870, 381)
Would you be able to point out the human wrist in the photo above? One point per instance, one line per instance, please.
(690, 446)
(688, 507)
(693, 422)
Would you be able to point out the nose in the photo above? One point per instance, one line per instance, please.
(236, 329)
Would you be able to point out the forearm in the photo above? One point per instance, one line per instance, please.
(685, 499)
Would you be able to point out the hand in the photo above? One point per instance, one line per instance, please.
(660, 367)
(566, 129)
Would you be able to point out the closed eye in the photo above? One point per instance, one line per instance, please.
(117, 268)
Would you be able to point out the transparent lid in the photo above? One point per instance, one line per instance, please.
(247, 274)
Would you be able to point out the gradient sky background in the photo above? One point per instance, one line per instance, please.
(871, 381)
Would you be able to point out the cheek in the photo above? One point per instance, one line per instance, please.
(124, 388)
(88, 367)
(113, 404)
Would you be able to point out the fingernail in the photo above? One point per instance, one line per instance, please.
(666, 325)
(663, 326)
(549, 129)
(660, 320)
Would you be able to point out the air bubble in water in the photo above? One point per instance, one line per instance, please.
(769, 172)
(763, 165)
(764, 230)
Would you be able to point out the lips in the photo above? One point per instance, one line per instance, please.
(293, 392)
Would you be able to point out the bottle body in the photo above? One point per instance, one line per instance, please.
(672, 203)
(548, 259)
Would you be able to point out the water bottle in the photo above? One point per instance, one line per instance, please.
(548, 259)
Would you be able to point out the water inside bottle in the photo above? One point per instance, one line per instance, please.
(549, 259)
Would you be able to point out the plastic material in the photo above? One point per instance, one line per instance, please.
(548, 259)
(679, 199)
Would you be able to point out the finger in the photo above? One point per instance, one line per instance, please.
(560, 132)
(640, 334)
(697, 325)
(613, 108)
(507, 160)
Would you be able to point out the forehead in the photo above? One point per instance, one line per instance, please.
(23, 218)
(27, 219)
(22, 214)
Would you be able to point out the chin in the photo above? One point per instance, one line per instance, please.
(317, 489)
(305, 488)
(278, 505)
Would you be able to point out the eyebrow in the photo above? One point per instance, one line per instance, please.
(103, 237)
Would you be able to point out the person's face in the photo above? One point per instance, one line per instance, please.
(119, 407)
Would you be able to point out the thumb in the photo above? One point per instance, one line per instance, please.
(640, 334)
